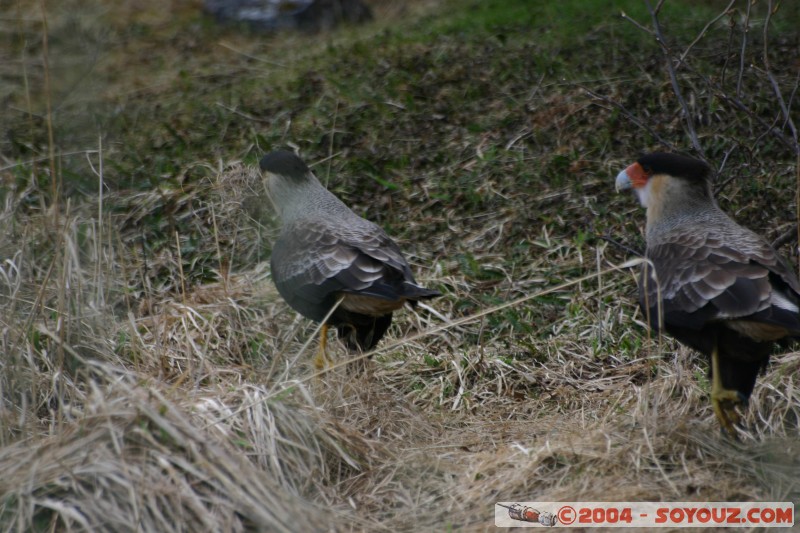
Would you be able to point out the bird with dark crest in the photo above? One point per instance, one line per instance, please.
(326, 255)
(709, 282)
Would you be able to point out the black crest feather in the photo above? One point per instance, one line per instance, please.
(676, 165)
(285, 163)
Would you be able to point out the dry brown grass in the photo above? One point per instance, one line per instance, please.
(185, 412)
(151, 379)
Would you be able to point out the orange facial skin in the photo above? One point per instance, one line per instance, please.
(637, 175)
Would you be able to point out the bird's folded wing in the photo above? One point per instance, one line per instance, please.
(314, 260)
(702, 279)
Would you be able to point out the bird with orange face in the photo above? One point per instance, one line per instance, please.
(709, 282)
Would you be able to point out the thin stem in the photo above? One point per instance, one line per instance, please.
(630, 116)
(55, 188)
(705, 29)
(687, 115)
(745, 29)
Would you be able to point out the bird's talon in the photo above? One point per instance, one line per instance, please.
(724, 402)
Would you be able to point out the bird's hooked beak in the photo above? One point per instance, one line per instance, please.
(633, 176)
(623, 181)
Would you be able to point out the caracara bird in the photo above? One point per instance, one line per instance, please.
(710, 283)
(326, 253)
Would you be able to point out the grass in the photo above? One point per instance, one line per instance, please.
(152, 378)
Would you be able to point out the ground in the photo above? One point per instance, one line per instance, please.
(152, 379)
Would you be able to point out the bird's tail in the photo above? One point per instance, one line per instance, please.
(414, 292)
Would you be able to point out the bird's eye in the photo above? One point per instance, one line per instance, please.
(647, 170)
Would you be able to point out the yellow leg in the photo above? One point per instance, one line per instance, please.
(321, 360)
(724, 401)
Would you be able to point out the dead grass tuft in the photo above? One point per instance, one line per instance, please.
(135, 459)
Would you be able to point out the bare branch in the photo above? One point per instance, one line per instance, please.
(630, 116)
(741, 106)
(687, 115)
(787, 118)
(745, 29)
(786, 237)
(638, 25)
(775, 86)
(718, 188)
(716, 87)
(705, 29)
(722, 185)
(729, 47)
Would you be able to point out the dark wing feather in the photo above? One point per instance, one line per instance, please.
(701, 280)
(312, 262)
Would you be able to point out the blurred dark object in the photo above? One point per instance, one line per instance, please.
(307, 15)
